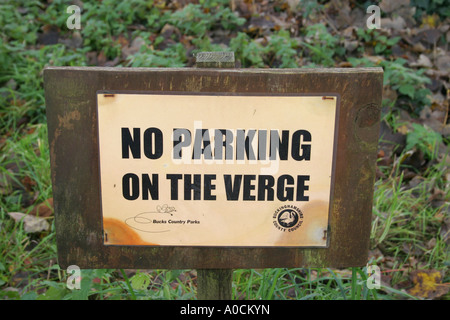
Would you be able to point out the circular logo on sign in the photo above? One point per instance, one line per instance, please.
(288, 218)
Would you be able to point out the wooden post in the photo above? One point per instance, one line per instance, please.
(214, 284)
(219, 59)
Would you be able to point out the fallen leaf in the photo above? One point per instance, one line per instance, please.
(390, 143)
(350, 45)
(345, 64)
(44, 209)
(75, 40)
(343, 18)
(260, 24)
(445, 231)
(28, 183)
(403, 129)
(49, 36)
(428, 36)
(31, 224)
(21, 278)
(133, 48)
(389, 93)
(443, 63)
(427, 284)
(423, 61)
(397, 23)
(392, 5)
(430, 20)
(418, 47)
(431, 243)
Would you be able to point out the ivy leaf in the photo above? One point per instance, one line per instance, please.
(140, 281)
(408, 90)
(424, 139)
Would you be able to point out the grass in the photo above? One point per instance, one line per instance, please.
(301, 284)
(407, 232)
(404, 218)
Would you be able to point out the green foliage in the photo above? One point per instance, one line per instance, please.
(30, 153)
(406, 225)
(249, 52)
(104, 21)
(282, 50)
(23, 71)
(12, 21)
(173, 56)
(424, 139)
(95, 284)
(158, 285)
(310, 7)
(381, 43)
(302, 284)
(322, 46)
(193, 19)
(204, 44)
(140, 281)
(56, 15)
(441, 7)
(406, 81)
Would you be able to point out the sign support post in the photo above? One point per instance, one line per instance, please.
(214, 284)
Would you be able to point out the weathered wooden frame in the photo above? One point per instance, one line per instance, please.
(70, 94)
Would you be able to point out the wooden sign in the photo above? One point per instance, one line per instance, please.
(216, 170)
(211, 168)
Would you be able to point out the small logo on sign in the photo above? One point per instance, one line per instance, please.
(288, 218)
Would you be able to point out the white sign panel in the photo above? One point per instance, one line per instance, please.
(216, 170)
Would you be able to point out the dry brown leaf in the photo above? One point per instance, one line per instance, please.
(31, 224)
(44, 209)
(423, 61)
(443, 63)
(133, 48)
(392, 5)
(396, 23)
(28, 183)
(445, 230)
